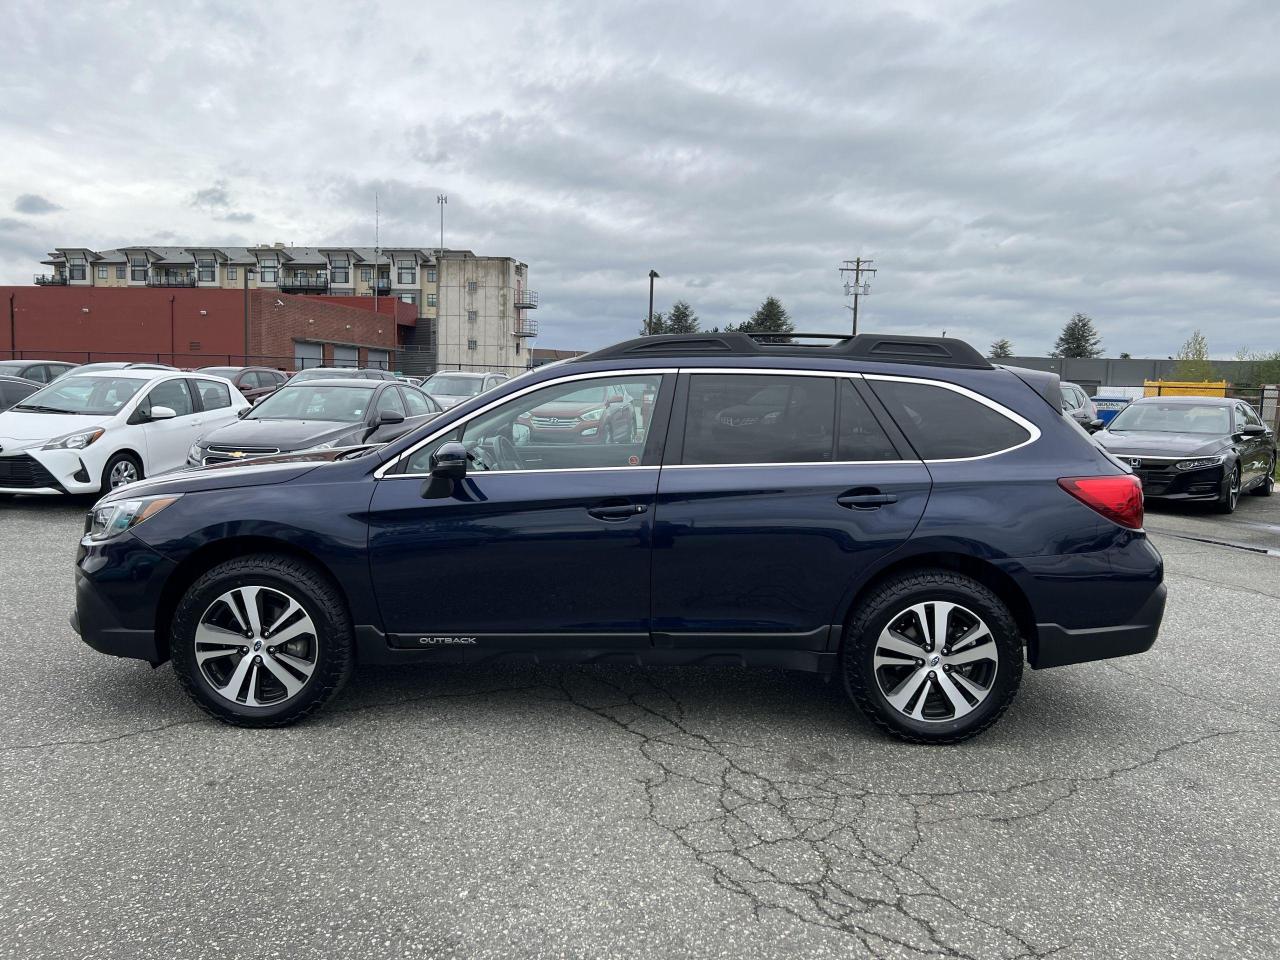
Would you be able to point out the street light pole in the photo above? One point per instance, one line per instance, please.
(648, 323)
(248, 272)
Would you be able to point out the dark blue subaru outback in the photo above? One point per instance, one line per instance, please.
(892, 511)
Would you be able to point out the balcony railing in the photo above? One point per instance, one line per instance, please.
(526, 327)
(169, 280)
(51, 279)
(303, 283)
(381, 284)
(526, 300)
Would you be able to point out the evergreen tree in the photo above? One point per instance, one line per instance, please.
(1002, 349)
(1078, 339)
(1125, 355)
(656, 326)
(1193, 359)
(681, 319)
(771, 317)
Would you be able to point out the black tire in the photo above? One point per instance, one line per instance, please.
(882, 607)
(118, 460)
(1229, 495)
(334, 655)
(1268, 482)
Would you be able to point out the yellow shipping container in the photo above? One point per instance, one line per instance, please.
(1184, 388)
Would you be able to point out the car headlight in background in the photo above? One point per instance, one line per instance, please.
(75, 441)
(107, 520)
(1199, 463)
(195, 454)
(593, 415)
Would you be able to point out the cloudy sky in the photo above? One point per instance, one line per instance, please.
(1005, 164)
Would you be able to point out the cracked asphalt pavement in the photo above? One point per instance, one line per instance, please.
(1124, 809)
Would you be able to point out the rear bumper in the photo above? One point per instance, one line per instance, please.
(1058, 646)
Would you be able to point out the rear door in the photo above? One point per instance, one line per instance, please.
(778, 489)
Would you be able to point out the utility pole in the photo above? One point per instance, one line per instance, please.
(648, 323)
(377, 243)
(441, 199)
(857, 288)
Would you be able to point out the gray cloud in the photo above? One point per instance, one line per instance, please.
(34, 203)
(1005, 163)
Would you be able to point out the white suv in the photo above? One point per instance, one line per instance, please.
(92, 432)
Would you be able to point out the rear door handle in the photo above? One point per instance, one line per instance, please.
(866, 501)
(617, 511)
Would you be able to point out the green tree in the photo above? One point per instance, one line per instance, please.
(1125, 355)
(1078, 339)
(1002, 349)
(771, 317)
(1193, 359)
(657, 325)
(1263, 368)
(681, 319)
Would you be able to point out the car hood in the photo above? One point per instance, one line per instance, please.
(562, 409)
(447, 400)
(20, 430)
(1138, 443)
(278, 468)
(285, 435)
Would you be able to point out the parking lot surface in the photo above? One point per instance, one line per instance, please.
(1121, 809)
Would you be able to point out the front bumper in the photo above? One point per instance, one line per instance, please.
(47, 472)
(1166, 483)
(118, 588)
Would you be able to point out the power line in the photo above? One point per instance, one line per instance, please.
(857, 289)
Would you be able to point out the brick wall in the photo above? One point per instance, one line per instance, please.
(277, 320)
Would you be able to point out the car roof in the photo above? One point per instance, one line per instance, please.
(1192, 401)
(69, 363)
(461, 373)
(139, 373)
(341, 382)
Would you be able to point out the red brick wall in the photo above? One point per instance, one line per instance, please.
(101, 323)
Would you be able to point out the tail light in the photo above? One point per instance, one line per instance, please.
(1118, 498)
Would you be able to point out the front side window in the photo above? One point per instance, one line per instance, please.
(582, 424)
(943, 424)
(1250, 415)
(419, 403)
(389, 402)
(759, 418)
(97, 396)
(172, 394)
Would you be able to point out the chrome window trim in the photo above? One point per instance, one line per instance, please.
(381, 472)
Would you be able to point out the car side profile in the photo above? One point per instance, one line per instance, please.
(1194, 448)
(37, 371)
(1079, 406)
(15, 389)
(891, 512)
(254, 383)
(93, 432)
(451, 387)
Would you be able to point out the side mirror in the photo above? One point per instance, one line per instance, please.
(1095, 425)
(448, 464)
(1253, 429)
(243, 412)
(390, 416)
(162, 413)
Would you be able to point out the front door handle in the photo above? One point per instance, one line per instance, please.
(866, 500)
(615, 511)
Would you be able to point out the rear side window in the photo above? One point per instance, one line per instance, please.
(943, 424)
(859, 436)
(213, 395)
(759, 418)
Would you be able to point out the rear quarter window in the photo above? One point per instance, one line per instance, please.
(943, 424)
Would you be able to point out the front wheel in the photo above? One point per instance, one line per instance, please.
(1229, 496)
(932, 657)
(262, 641)
(122, 468)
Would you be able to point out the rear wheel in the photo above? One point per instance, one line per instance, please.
(1230, 494)
(1268, 482)
(122, 468)
(262, 641)
(932, 657)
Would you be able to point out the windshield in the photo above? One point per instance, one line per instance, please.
(228, 372)
(341, 404)
(454, 386)
(98, 396)
(1172, 418)
(316, 373)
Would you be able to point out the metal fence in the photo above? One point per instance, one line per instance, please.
(185, 361)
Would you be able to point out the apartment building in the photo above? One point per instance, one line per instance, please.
(472, 310)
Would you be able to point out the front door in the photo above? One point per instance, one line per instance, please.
(786, 488)
(168, 440)
(544, 545)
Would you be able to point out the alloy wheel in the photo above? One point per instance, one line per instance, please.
(936, 661)
(126, 471)
(256, 646)
(1234, 493)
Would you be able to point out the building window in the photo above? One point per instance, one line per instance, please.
(408, 298)
(268, 265)
(431, 299)
(471, 344)
(341, 275)
(138, 269)
(102, 273)
(405, 272)
(121, 272)
(431, 274)
(77, 271)
(519, 270)
(233, 273)
(471, 316)
(366, 274)
(472, 286)
(205, 270)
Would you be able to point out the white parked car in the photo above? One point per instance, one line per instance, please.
(92, 432)
(450, 388)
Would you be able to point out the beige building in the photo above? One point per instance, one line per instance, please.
(473, 312)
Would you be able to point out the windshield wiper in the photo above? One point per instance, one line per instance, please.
(40, 408)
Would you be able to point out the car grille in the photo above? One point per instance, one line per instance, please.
(247, 451)
(553, 421)
(23, 472)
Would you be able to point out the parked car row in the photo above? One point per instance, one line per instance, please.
(99, 427)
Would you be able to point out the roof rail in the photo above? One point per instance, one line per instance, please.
(930, 351)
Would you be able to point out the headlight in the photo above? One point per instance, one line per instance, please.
(1200, 463)
(593, 415)
(75, 441)
(195, 454)
(107, 520)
